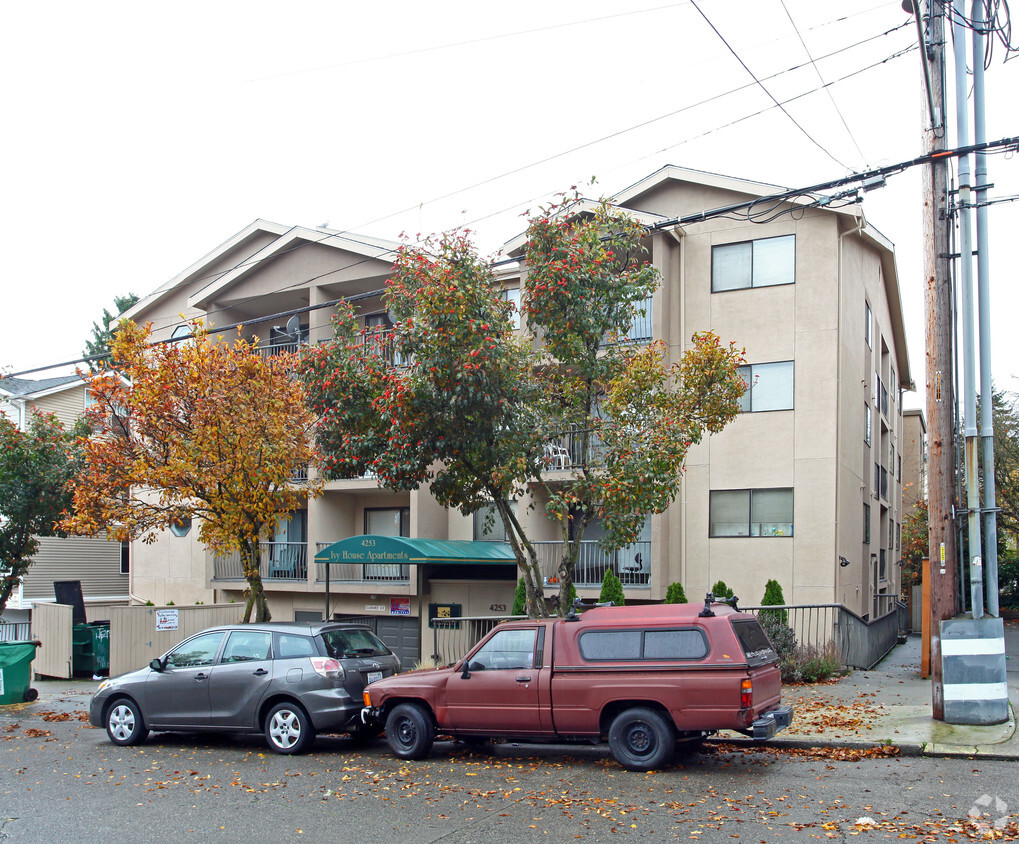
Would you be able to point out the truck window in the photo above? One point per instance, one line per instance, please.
(689, 643)
(507, 649)
(754, 641)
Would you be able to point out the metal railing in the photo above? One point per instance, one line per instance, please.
(361, 572)
(453, 637)
(15, 631)
(632, 564)
(279, 561)
(271, 350)
(575, 449)
(640, 327)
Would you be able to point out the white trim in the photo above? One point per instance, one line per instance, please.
(976, 691)
(972, 647)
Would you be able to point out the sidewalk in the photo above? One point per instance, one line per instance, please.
(890, 706)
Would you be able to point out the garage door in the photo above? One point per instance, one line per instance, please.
(402, 635)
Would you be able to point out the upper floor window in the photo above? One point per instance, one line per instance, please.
(512, 295)
(868, 423)
(868, 329)
(753, 263)
(866, 524)
(751, 512)
(769, 386)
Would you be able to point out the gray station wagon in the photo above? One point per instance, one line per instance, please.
(288, 680)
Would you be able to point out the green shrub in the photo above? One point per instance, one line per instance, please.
(612, 589)
(1008, 583)
(812, 664)
(773, 596)
(720, 590)
(781, 635)
(675, 594)
(520, 599)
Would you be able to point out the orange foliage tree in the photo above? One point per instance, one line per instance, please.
(203, 428)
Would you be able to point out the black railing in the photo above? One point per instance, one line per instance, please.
(632, 564)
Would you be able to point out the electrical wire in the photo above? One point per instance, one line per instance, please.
(771, 96)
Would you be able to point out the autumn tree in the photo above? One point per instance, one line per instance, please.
(475, 407)
(204, 429)
(36, 466)
(98, 345)
(915, 543)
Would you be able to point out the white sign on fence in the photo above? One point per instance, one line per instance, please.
(166, 619)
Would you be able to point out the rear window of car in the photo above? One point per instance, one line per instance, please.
(291, 646)
(345, 644)
(754, 641)
(684, 643)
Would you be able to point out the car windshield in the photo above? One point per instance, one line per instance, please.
(344, 644)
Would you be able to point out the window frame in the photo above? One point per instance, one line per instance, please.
(754, 377)
(751, 243)
(750, 514)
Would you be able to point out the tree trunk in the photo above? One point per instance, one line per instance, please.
(256, 600)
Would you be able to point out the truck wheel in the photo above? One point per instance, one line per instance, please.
(409, 731)
(288, 729)
(641, 739)
(124, 724)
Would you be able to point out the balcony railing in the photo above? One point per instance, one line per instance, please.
(361, 572)
(567, 451)
(640, 328)
(272, 349)
(279, 561)
(632, 564)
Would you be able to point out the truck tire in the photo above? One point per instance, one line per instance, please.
(409, 731)
(641, 739)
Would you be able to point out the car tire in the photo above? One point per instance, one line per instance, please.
(124, 723)
(288, 729)
(642, 739)
(409, 731)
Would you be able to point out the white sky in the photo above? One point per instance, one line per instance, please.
(140, 136)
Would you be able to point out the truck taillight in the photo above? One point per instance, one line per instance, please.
(746, 694)
(328, 667)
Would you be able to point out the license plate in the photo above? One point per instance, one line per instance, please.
(374, 675)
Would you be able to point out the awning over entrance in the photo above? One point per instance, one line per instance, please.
(401, 550)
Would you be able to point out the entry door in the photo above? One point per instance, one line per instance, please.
(501, 694)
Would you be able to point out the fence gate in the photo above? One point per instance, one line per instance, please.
(52, 624)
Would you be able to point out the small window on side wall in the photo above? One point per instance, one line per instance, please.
(753, 263)
(181, 527)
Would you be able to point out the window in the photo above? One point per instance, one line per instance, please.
(181, 527)
(769, 386)
(125, 557)
(389, 521)
(512, 295)
(507, 649)
(488, 516)
(753, 263)
(646, 644)
(868, 329)
(247, 645)
(198, 651)
(867, 423)
(751, 512)
(891, 534)
(866, 524)
(292, 646)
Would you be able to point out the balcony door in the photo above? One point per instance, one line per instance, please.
(386, 521)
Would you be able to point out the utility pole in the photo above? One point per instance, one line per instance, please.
(938, 365)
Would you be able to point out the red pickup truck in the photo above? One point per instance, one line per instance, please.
(644, 677)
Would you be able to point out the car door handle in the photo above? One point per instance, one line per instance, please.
(523, 679)
(201, 676)
(260, 673)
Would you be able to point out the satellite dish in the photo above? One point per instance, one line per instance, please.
(294, 326)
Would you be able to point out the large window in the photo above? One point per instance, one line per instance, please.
(769, 386)
(751, 512)
(753, 263)
(487, 517)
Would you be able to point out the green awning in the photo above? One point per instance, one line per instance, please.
(400, 550)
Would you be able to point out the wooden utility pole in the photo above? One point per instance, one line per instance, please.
(938, 369)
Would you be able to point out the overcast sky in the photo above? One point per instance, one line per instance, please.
(140, 136)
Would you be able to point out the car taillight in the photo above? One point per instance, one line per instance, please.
(746, 694)
(328, 667)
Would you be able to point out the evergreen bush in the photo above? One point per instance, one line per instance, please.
(773, 597)
(720, 590)
(612, 589)
(675, 594)
(520, 599)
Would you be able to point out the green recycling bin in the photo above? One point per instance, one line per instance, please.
(16, 672)
(90, 648)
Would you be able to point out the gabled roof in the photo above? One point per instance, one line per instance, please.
(369, 247)
(23, 388)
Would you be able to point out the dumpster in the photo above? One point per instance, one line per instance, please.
(90, 648)
(16, 672)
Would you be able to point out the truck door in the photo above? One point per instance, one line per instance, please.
(500, 692)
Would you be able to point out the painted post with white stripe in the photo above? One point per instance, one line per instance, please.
(973, 673)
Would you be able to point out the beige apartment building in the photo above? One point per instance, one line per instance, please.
(805, 487)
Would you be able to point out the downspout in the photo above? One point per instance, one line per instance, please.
(683, 532)
(860, 223)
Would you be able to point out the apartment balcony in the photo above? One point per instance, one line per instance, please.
(271, 350)
(640, 327)
(280, 561)
(575, 449)
(632, 564)
(379, 573)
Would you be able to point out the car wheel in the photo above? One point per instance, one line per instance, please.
(124, 723)
(30, 694)
(288, 729)
(409, 731)
(642, 739)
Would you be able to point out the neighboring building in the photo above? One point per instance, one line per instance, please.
(914, 459)
(804, 487)
(101, 566)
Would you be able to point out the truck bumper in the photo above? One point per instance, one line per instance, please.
(370, 716)
(771, 722)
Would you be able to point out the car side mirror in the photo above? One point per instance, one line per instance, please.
(466, 673)
(156, 665)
